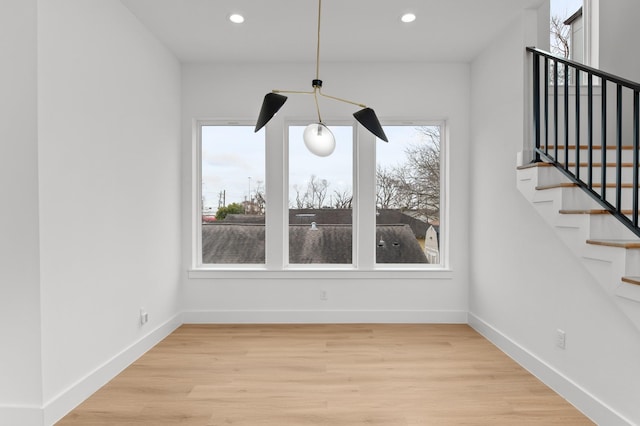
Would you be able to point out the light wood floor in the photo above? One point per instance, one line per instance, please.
(333, 375)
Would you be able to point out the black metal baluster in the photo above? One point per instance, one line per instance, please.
(590, 130)
(536, 107)
(618, 147)
(546, 105)
(577, 123)
(566, 117)
(636, 147)
(555, 110)
(603, 142)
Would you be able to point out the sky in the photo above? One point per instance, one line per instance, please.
(233, 160)
(564, 8)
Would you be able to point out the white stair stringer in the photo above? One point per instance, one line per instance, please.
(606, 264)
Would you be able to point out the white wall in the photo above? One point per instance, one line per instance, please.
(20, 373)
(108, 152)
(408, 90)
(618, 35)
(526, 284)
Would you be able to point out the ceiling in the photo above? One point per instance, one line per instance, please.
(352, 30)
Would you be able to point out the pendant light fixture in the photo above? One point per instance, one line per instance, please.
(317, 136)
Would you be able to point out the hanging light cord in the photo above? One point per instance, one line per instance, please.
(317, 83)
(318, 46)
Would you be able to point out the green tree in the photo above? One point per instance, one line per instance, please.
(233, 208)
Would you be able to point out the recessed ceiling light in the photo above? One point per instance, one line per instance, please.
(408, 17)
(236, 18)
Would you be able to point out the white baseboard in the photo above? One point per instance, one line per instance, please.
(20, 415)
(589, 405)
(316, 317)
(67, 400)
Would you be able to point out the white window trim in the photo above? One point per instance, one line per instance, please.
(276, 248)
(591, 28)
(444, 198)
(354, 171)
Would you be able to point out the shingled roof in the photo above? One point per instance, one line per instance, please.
(418, 223)
(232, 243)
(244, 243)
(397, 244)
(322, 244)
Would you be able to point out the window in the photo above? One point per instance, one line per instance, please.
(233, 200)
(408, 190)
(320, 200)
(368, 206)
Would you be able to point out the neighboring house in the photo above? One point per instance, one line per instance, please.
(398, 234)
(232, 243)
(245, 243)
(576, 36)
(432, 244)
(417, 222)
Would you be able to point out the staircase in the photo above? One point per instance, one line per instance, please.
(607, 248)
(584, 174)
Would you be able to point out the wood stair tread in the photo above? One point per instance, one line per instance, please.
(556, 185)
(532, 165)
(626, 244)
(631, 280)
(571, 185)
(594, 147)
(593, 211)
(612, 165)
(571, 164)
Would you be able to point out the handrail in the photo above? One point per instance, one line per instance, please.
(582, 67)
(546, 146)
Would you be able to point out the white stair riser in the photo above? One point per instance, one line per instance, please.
(633, 263)
(610, 194)
(627, 155)
(604, 226)
(576, 200)
(627, 174)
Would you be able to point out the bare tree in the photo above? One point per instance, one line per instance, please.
(560, 44)
(260, 199)
(388, 187)
(560, 37)
(415, 184)
(342, 200)
(317, 190)
(299, 202)
(314, 194)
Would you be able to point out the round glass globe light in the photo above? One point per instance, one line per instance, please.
(319, 140)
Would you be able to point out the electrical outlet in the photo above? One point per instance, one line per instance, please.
(144, 316)
(324, 295)
(561, 339)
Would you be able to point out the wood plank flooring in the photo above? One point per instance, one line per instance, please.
(333, 375)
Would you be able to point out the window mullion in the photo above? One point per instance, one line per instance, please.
(276, 238)
(364, 197)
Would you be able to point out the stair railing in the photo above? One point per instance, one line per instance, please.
(583, 124)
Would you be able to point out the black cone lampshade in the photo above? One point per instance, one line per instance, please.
(367, 117)
(270, 105)
(317, 137)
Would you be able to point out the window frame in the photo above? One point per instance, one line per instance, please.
(354, 170)
(197, 201)
(443, 243)
(277, 265)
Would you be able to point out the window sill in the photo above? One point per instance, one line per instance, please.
(437, 273)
